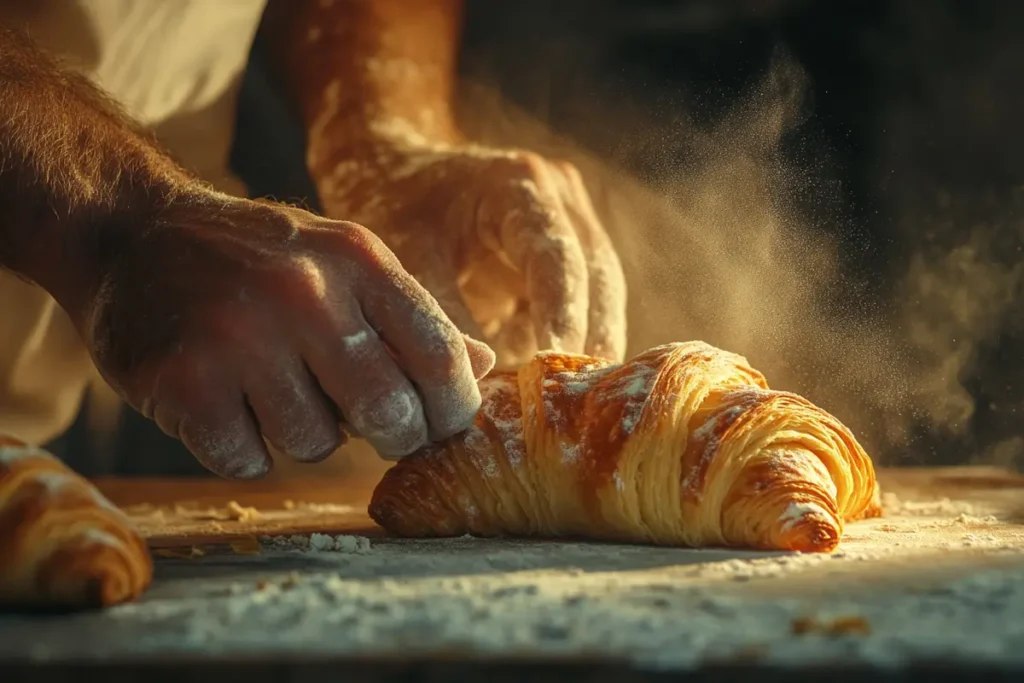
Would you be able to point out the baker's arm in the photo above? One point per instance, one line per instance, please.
(362, 73)
(70, 162)
(227, 321)
(507, 241)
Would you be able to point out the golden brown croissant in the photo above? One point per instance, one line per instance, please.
(62, 544)
(683, 445)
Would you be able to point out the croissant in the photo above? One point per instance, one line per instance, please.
(62, 544)
(683, 445)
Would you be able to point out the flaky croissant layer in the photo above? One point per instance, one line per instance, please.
(683, 445)
(62, 544)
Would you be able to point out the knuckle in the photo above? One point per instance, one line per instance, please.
(569, 170)
(520, 166)
(391, 420)
(390, 411)
(349, 228)
(301, 283)
(441, 344)
(529, 162)
(360, 244)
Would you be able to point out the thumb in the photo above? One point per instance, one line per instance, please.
(481, 357)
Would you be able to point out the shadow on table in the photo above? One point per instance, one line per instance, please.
(421, 559)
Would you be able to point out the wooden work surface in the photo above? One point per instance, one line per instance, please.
(168, 491)
(178, 512)
(181, 512)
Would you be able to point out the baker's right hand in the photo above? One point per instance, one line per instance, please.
(229, 320)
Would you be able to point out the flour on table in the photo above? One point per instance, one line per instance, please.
(892, 504)
(318, 543)
(657, 607)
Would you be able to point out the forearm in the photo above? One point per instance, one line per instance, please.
(365, 74)
(71, 163)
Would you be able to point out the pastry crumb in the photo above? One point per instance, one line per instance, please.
(246, 546)
(239, 513)
(185, 553)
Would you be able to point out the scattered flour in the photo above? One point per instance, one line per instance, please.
(892, 504)
(317, 543)
(658, 607)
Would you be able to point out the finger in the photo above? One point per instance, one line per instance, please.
(292, 412)
(440, 278)
(356, 370)
(535, 233)
(429, 347)
(218, 429)
(515, 342)
(606, 320)
(434, 270)
(481, 357)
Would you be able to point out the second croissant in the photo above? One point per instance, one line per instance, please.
(683, 445)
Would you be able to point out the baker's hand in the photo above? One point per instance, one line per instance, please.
(507, 241)
(226, 320)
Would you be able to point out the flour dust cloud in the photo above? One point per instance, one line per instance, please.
(726, 250)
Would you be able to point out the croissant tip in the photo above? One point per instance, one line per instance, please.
(387, 515)
(813, 536)
(107, 589)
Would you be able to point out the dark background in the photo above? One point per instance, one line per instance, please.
(914, 110)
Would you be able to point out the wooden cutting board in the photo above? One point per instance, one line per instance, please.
(178, 513)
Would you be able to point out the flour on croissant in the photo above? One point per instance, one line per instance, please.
(683, 445)
(62, 544)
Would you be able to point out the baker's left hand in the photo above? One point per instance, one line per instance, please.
(508, 242)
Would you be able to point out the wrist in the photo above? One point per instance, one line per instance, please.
(350, 163)
(80, 247)
(337, 141)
